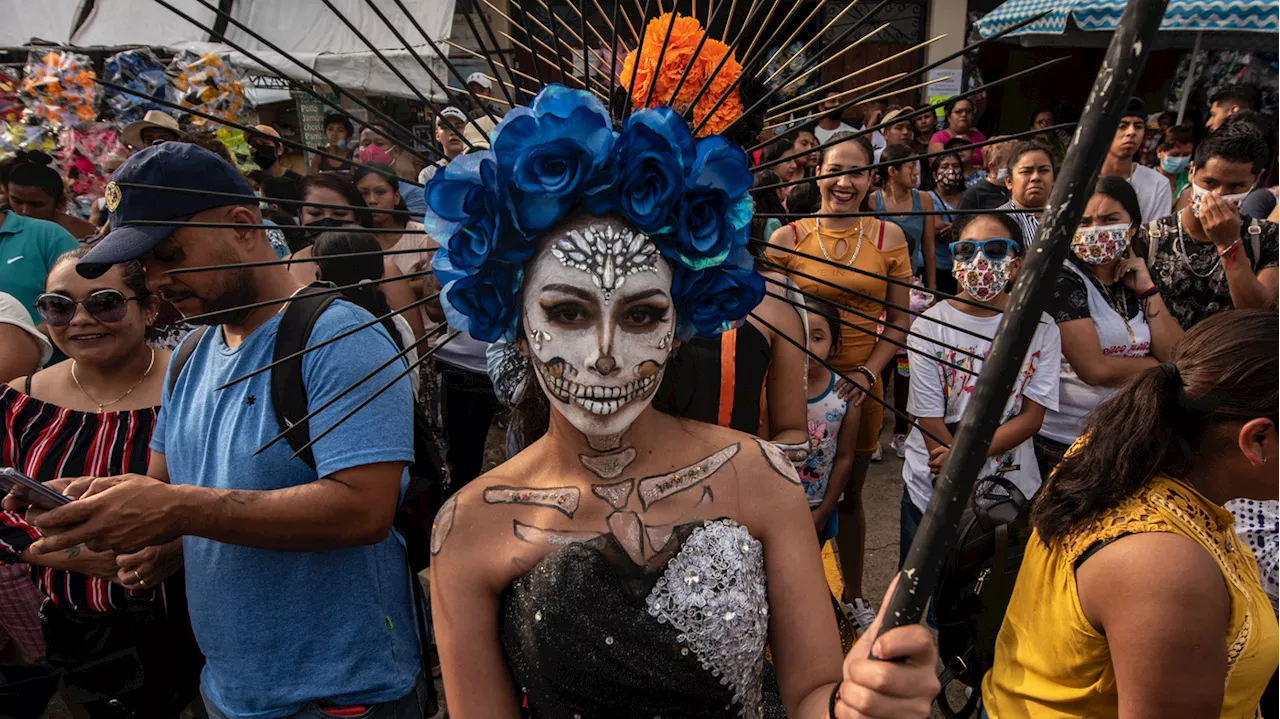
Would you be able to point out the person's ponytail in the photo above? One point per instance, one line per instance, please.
(1223, 370)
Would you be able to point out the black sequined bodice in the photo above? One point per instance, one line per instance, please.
(589, 634)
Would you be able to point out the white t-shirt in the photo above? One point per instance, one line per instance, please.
(1155, 199)
(13, 313)
(941, 391)
(823, 134)
(406, 340)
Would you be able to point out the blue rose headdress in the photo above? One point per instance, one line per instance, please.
(690, 197)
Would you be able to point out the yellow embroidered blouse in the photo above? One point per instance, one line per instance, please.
(1051, 662)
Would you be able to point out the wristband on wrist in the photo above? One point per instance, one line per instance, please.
(1230, 249)
(1154, 290)
(835, 697)
(871, 376)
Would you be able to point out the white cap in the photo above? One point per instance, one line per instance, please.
(452, 113)
(481, 79)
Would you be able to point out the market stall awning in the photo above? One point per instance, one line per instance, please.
(1249, 21)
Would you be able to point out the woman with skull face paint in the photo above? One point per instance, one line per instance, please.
(1206, 257)
(1113, 321)
(628, 563)
(988, 253)
(874, 246)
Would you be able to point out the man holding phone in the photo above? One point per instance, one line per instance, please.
(299, 592)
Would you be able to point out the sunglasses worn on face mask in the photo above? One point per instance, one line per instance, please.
(995, 249)
(104, 306)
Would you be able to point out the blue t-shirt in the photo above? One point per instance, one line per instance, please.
(28, 248)
(414, 199)
(280, 629)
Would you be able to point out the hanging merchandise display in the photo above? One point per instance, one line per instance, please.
(206, 83)
(1216, 69)
(10, 103)
(238, 146)
(29, 133)
(140, 71)
(81, 151)
(59, 88)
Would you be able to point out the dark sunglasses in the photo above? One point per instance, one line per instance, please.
(104, 306)
(994, 249)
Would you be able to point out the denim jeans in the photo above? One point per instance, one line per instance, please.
(410, 706)
(908, 523)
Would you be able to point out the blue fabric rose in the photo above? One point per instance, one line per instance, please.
(552, 153)
(478, 220)
(710, 299)
(653, 153)
(487, 299)
(713, 217)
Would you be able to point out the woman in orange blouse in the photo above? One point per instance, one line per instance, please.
(867, 245)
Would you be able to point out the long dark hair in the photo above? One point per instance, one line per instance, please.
(351, 270)
(344, 187)
(389, 176)
(1118, 189)
(1223, 370)
(899, 155)
(766, 201)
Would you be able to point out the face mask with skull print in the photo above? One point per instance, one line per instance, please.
(1100, 244)
(599, 322)
(981, 277)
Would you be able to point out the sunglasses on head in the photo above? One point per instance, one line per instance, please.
(104, 306)
(994, 249)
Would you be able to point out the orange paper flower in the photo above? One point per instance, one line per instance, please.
(678, 61)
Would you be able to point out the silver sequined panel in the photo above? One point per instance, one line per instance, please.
(713, 593)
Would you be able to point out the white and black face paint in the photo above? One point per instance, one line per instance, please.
(598, 318)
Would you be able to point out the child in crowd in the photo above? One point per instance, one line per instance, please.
(832, 439)
(987, 256)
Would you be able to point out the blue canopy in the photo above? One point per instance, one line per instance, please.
(1251, 16)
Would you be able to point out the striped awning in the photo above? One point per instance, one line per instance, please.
(1254, 16)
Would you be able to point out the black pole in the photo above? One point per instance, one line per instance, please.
(1111, 90)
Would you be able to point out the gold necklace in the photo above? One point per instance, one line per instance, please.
(117, 399)
(822, 245)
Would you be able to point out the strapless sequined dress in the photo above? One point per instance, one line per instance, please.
(589, 634)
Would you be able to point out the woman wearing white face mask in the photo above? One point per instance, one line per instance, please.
(1206, 258)
(1113, 321)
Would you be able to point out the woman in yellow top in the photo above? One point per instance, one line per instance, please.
(870, 246)
(1135, 597)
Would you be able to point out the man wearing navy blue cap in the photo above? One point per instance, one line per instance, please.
(299, 593)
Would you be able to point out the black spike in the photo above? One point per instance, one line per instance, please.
(635, 66)
(582, 19)
(407, 136)
(872, 318)
(860, 271)
(255, 199)
(613, 51)
(528, 34)
(196, 319)
(431, 105)
(444, 86)
(733, 48)
(908, 213)
(878, 300)
(845, 377)
(376, 320)
(697, 50)
(294, 261)
(243, 128)
(493, 46)
(412, 366)
(243, 226)
(662, 53)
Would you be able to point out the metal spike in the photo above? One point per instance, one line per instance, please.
(614, 25)
(347, 333)
(891, 58)
(888, 94)
(925, 156)
(706, 84)
(867, 273)
(430, 104)
(282, 300)
(436, 49)
(406, 135)
(908, 213)
(564, 68)
(243, 128)
(748, 55)
(867, 395)
(255, 199)
(706, 33)
(291, 260)
(662, 53)
(635, 66)
(264, 226)
(512, 71)
(412, 366)
(803, 24)
(875, 319)
(565, 25)
(613, 51)
(812, 40)
(860, 88)
(528, 33)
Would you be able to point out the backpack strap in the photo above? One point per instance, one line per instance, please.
(180, 355)
(288, 394)
(1255, 243)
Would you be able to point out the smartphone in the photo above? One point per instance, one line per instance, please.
(29, 490)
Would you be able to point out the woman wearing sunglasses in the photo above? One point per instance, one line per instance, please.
(987, 256)
(93, 416)
(1113, 321)
(870, 247)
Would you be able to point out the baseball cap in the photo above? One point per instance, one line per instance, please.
(454, 114)
(479, 78)
(178, 165)
(1136, 108)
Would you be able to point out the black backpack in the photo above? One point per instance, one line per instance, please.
(423, 496)
(289, 400)
(975, 585)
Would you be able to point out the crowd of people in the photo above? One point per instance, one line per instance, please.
(237, 545)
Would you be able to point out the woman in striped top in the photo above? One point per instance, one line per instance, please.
(92, 416)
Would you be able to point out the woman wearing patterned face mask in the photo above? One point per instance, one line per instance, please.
(1113, 321)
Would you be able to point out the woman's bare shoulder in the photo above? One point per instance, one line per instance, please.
(893, 236)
